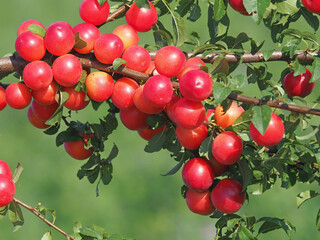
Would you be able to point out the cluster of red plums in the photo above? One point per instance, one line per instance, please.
(7, 186)
(44, 80)
(198, 173)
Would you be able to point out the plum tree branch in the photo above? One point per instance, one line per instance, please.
(270, 103)
(274, 104)
(35, 212)
(115, 14)
(247, 57)
(16, 64)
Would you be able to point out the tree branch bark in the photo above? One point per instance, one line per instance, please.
(247, 57)
(117, 13)
(274, 104)
(35, 212)
(16, 64)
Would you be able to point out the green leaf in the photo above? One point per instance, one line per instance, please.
(219, 9)
(291, 46)
(315, 69)
(96, 105)
(184, 7)
(177, 167)
(268, 226)
(76, 236)
(143, 4)
(3, 211)
(43, 211)
(15, 216)
(250, 221)
(232, 222)
(220, 65)
(111, 123)
(34, 28)
(52, 130)
(211, 24)
(262, 8)
(271, 224)
(287, 7)
(113, 153)
(17, 173)
(166, 37)
(255, 47)
(155, 121)
(89, 232)
(93, 174)
(93, 160)
(309, 36)
(239, 80)
(81, 86)
(156, 142)
(288, 178)
(195, 13)
(57, 116)
(267, 54)
(46, 236)
(11, 54)
(206, 147)
(308, 135)
(257, 7)
(226, 104)
(310, 18)
(118, 62)
(292, 32)
(245, 234)
(106, 173)
(221, 45)
(220, 93)
(298, 68)
(79, 43)
(162, 36)
(70, 135)
(196, 37)
(243, 121)
(305, 196)
(203, 48)
(221, 27)
(76, 227)
(3, 75)
(216, 214)
(250, 6)
(171, 143)
(261, 117)
(240, 39)
(179, 29)
(246, 173)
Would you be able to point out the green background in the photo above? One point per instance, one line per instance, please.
(139, 203)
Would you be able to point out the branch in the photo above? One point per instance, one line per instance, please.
(35, 212)
(270, 103)
(274, 104)
(117, 13)
(247, 57)
(16, 64)
(90, 61)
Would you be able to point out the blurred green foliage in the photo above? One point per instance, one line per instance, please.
(139, 203)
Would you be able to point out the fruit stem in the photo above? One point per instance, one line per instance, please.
(115, 14)
(35, 212)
